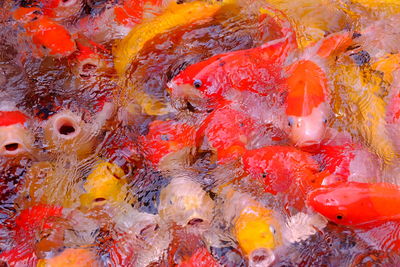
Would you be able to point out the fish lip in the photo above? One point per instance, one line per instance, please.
(184, 97)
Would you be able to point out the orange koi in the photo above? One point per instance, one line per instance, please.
(308, 90)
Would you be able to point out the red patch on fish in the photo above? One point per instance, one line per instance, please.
(52, 36)
(27, 224)
(227, 131)
(8, 118)
(334, 43)
(166, 137)
(278, 167)
(201, 258)
(336, 159)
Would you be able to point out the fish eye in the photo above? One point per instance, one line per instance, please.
(264, 175)
(339, 216)
(197, 83)
(325, 121)
(272, 229)
(290, 121)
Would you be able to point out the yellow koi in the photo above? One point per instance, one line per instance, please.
(175, 15)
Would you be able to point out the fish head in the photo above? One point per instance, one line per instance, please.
(196, 87)
(258, 232)
(343, 203)
(307, 109)
(305, 131)
(269, 165)
(27, 14)
(51, 37)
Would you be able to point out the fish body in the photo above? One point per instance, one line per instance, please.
(359, 205)
(61, 9)
(28, 224)
(358, 96)
(227, 132)
(201, 258)
(73, 257)
(280, 167)
(336, 160)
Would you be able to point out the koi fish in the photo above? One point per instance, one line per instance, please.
(27, 224)
(359, 205)
(257, 233)
(348, 161)
(313, 18)
(48, 36)
(279, 168)
(89, 60)
(308, 90)
(105, 184)
(227, 132)
(120, 18)
(306, 103)
(166, 137)
(258, 70)
(15, 138)
(387, 6)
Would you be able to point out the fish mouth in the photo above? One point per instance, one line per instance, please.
(262, 257)
(66, 127)
(185, 97)
(14, 141)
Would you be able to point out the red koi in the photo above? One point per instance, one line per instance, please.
(166, 137)
(27, 224)
(227, 131)
(359, 205)
(258, 70)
